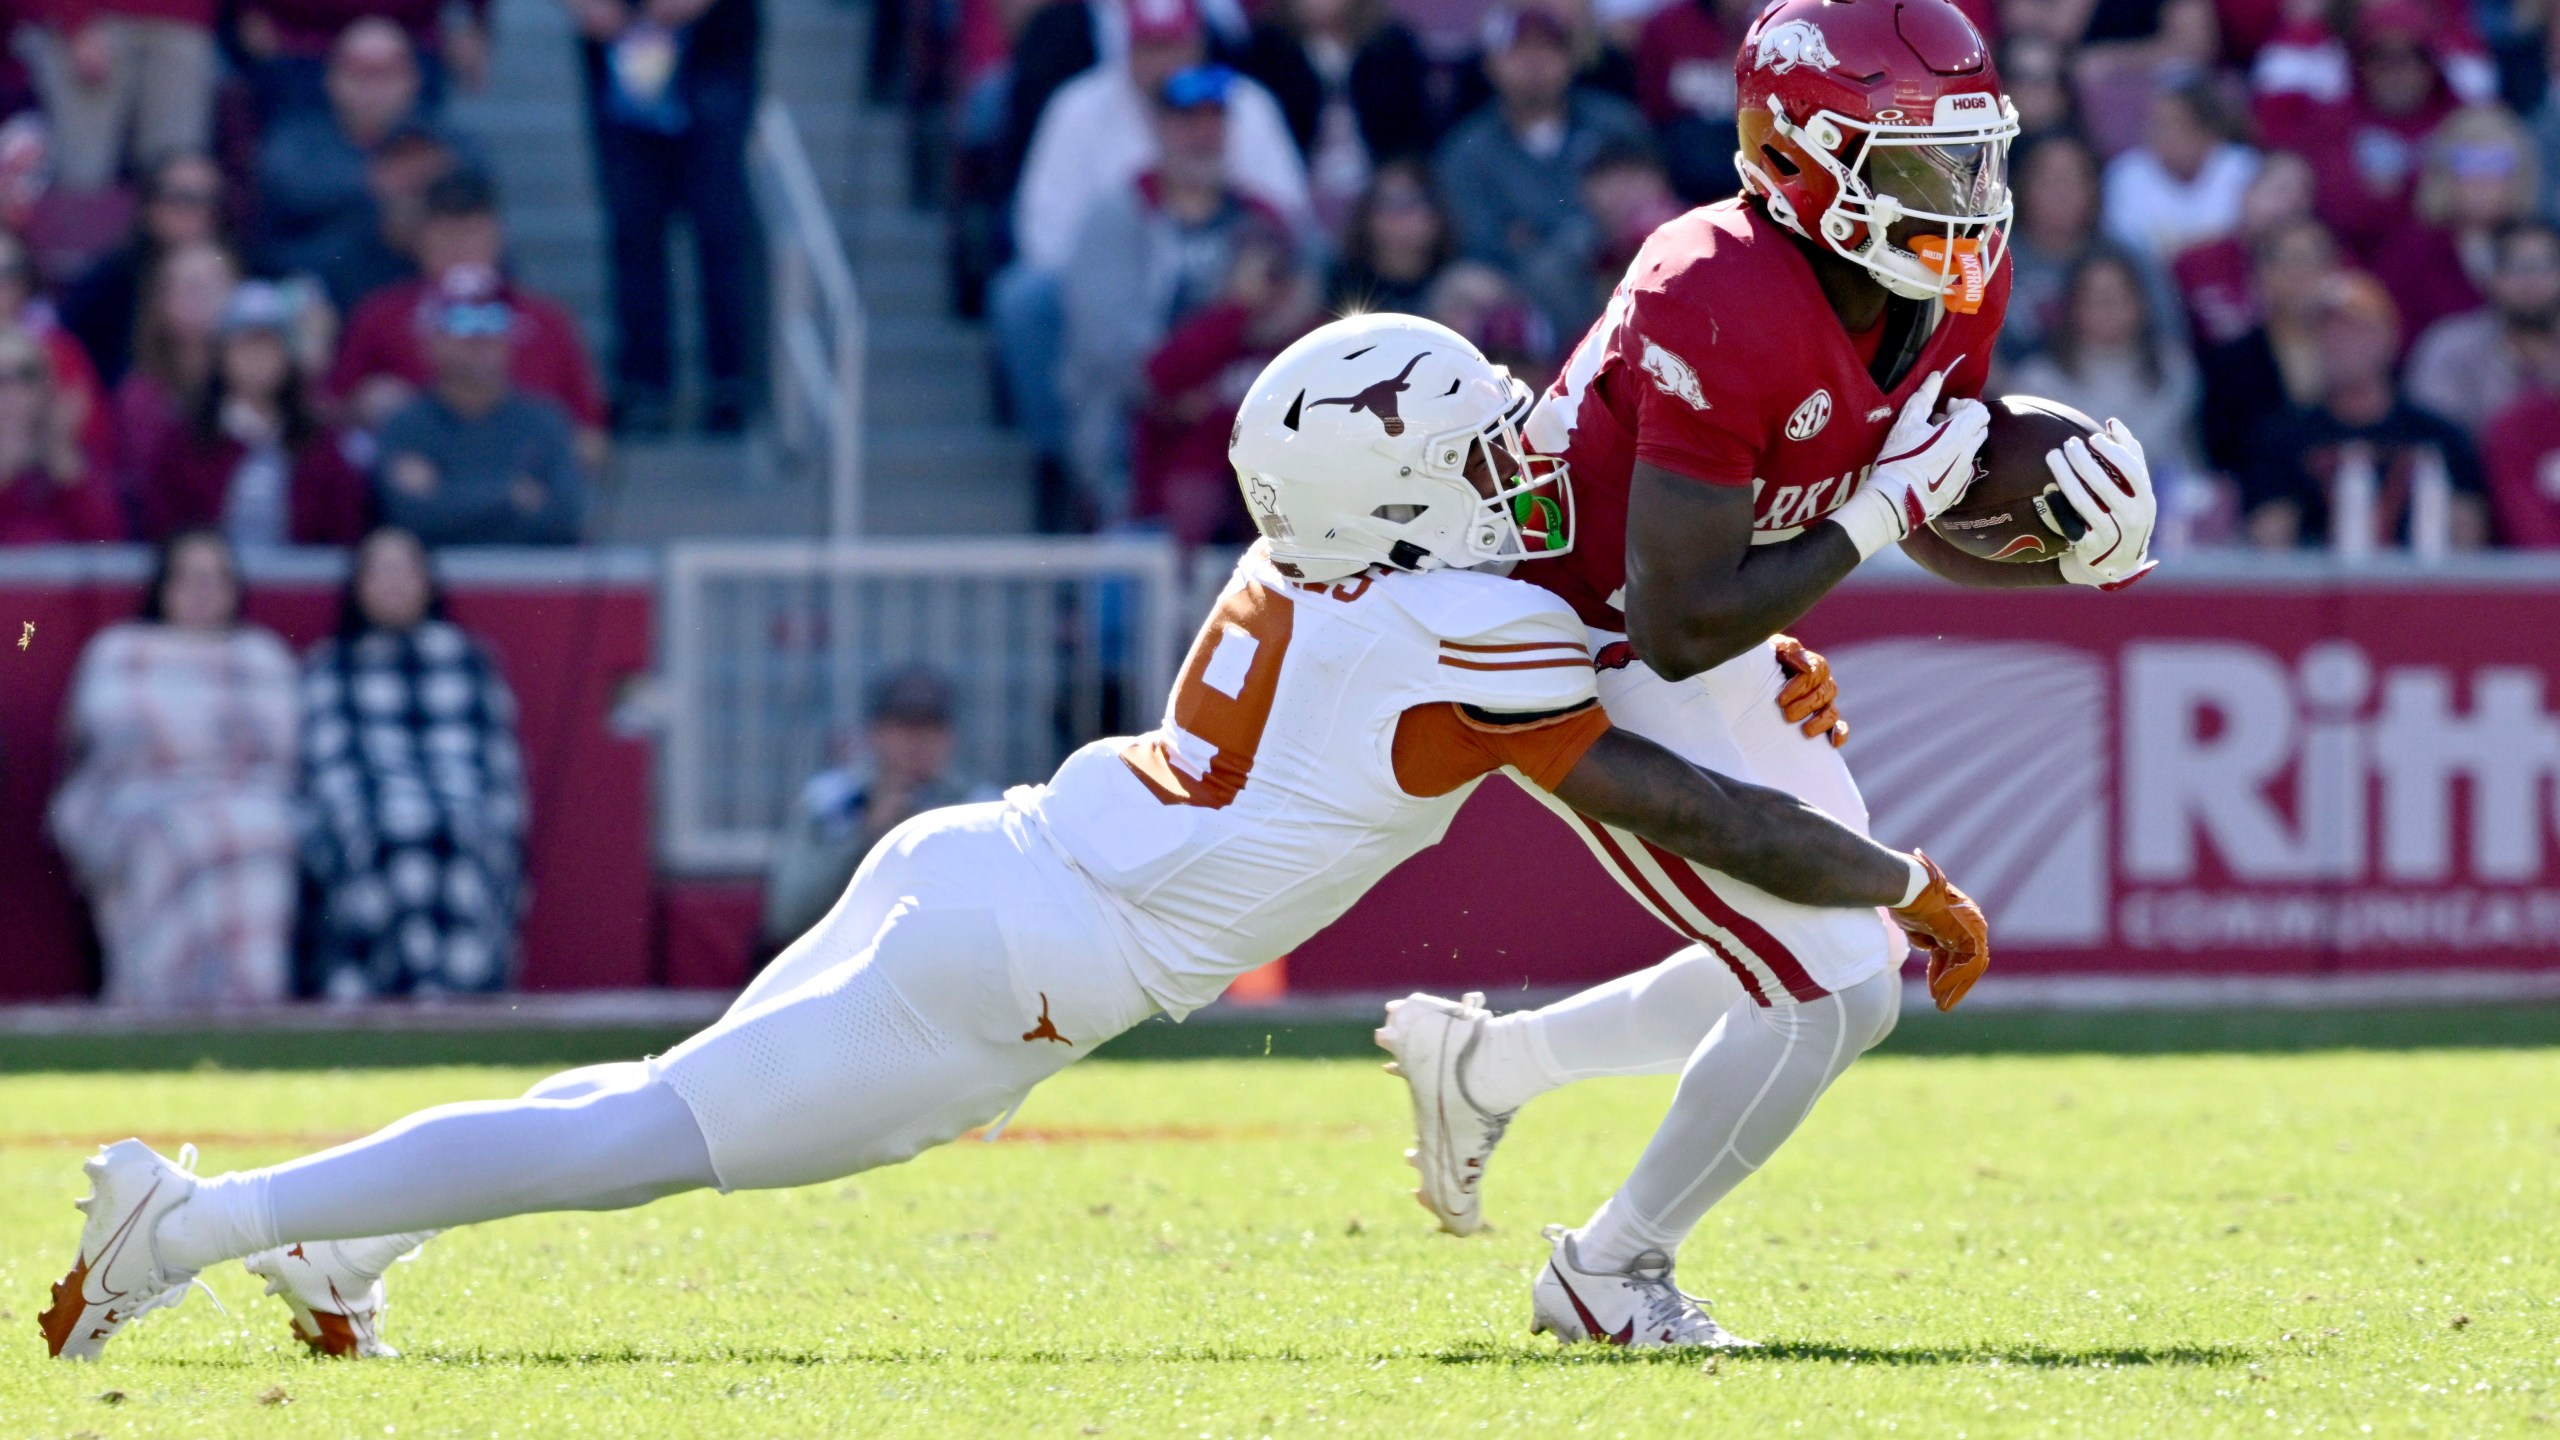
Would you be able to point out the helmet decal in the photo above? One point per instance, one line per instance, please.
(1673, 375)
(1267, 516)
(1379, 399)
(1791, 43)
(1450, 484)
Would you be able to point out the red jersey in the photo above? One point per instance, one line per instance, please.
(1719, 359)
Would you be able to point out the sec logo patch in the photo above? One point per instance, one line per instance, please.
(1810, 416)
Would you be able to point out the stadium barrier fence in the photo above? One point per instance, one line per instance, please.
(2245, 766)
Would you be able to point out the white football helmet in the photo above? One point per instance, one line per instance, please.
(1354, 449)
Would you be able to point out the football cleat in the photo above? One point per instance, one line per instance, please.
(1637, 1307)
(119, 1275)
(334, 1289)
(1453, 1137)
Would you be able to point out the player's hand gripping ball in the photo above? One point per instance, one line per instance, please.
(2050, 484)
(1810, 698)
(1949, 929)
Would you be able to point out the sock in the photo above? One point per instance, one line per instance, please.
(1647, 1023)
(1509, 1066)
(608, 1149)
(1750, 1085)
(228, 1216)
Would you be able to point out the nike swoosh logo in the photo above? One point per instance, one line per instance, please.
(115, 1245)
(1591, 1322)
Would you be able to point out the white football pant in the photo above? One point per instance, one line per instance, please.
(965, 964)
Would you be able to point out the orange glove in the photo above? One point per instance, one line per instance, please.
(1945, 925)
(1810, 699)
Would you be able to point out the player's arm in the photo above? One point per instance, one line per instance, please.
(1763, 837)
(1699, 592)
(1772, 840)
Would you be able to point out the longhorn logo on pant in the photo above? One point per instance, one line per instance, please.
(1046, 1030)
(1380, 399)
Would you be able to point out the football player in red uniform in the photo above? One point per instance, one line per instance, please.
(1783, 384)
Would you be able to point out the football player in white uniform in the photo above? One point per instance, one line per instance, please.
(1353, 685)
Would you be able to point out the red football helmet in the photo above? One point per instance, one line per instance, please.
(1877, 129)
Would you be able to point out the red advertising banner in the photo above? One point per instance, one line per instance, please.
(2248, 769)
(568, 630)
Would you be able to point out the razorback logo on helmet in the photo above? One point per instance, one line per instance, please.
(1789, 44)
(1674, 375)
(1810, 416)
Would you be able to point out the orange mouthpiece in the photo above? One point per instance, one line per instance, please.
(1961, 262)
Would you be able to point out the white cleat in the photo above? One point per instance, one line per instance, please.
(119, 1275)
(1453, 1137)
(1638, 1307)
(334, 1289)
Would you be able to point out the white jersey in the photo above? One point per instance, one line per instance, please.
(1270, 798)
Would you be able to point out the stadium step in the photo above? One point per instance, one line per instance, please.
(936, 461)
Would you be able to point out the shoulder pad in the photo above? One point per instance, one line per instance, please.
(1504, 645)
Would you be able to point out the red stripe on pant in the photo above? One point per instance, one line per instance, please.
(1764, 947)
(1663, 909)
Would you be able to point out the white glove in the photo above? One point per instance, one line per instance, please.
(2117, 501)
(1925, 466)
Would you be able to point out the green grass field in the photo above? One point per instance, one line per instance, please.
(2338, 1243)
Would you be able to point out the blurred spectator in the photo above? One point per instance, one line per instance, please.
(2469, 367)
(473, 460)
(289, 42)
(2057, 225)
(1396, 244)
(2478, 178)
(177, 816)
(2126, 54)
(1482, 304)
(2111, 355)
(382, 363)
(671, 94)
(2361, 450)
(1512, 172)
(181, 205)
(2034, 71)
(337, 187)
(1684, 85)
(413, 850)
(2544, 122)
(1149, 255)
(2217, 282)
(2182, 185)
(50, 494)
(2359, 117)
(1353, 85)
(1629, 196)
(2521, 452)
(2276, 364)
(173, 352)
(1180, 476)
(252, 461)
(903, 769)
(123, 78)
(1095, 138)
(79, 403)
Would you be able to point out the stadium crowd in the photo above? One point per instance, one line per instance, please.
(2304, 247)
(254, 278)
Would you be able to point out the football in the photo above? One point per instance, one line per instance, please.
(2013, 511)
